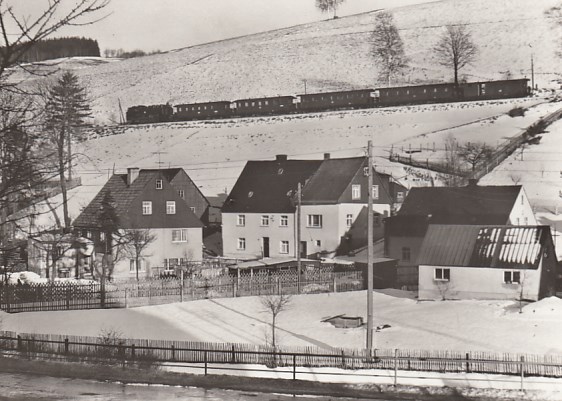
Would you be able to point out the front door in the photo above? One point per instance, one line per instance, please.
(303, 249)
(265, 242)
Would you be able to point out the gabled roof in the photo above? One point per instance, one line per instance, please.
(330, 180)
(268, 186)
(484, 246)
(472, 204)
(124, 195)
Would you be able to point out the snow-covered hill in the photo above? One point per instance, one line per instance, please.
(329, 55)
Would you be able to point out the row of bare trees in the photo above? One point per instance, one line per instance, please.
(455, 48)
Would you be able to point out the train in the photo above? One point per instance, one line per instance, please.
(328, 101)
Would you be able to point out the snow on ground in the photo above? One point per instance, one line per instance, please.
(539, 169)
(329, 55)
(495, 326)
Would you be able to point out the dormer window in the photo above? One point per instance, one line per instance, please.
(159, 184)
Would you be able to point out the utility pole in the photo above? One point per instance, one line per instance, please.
(298, 245)
(370, 247)
(532, 73)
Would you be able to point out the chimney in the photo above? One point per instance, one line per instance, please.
(326, 156)
(132, 174)
(472, 182)
(280, 158)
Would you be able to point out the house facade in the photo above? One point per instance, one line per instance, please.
(260, 215)
(143, 201)
(487, 262)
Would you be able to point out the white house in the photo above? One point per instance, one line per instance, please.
(487, 262)
(144, 200)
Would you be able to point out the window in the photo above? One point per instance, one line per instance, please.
(400, 196)
(133, 265)
(170, 207)
(284, 247)
(406, 254)
(442, 274)
(318, 242)
(375, 192)
(192, 209)
(241, 220)
(241, 246)
(510, 277)
(356, 192)
(264, 221)
(366, 171)
(159, 184)
(102, 236)
(349, 220)
(181, 193)
(284, 221)
(146, 207)
(314, 220)
(179, 235)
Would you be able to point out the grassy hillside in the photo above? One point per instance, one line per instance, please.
(330, 55)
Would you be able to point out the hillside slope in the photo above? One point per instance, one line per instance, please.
(330, 55)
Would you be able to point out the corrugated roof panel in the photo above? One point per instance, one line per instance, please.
(477, 246)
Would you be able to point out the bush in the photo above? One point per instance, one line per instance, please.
(517, 112)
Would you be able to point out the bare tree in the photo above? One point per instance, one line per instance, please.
(388, 48)
(455, 49)
(452, 164)
(515, 177)
(136, 242)
(274, 305)
(475, 153)
(327, 6)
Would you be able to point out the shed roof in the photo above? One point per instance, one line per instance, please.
(483, 246)
(471, 204)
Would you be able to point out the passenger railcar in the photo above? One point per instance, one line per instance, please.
(201, 111)
(264, 106)
(361, 98)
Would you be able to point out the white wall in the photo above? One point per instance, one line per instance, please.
(254, 233)
(522, 212)
(163, 248)
(477, 283)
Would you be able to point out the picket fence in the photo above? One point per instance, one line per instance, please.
(66, 296)
(113, 349)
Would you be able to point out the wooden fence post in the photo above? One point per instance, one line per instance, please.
(334, 283)
(173, 352)
(133, 351)
(343, 359)
(395, 366)
(205, 358)
(522, 371)
(181, 285)
(233, 359)
(467, 363)
(66, 345)
(294, 367)
(67, 293)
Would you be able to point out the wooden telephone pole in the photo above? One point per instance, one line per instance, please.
(370, 247)
(298, 245)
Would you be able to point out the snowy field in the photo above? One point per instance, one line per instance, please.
(495, 326)
(328, 55)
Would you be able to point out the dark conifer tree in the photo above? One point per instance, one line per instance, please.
(66, 111)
